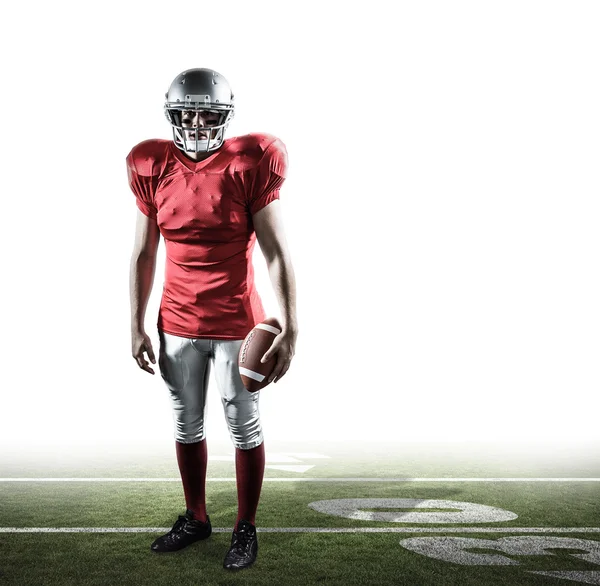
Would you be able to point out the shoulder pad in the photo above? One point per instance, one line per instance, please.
(149, 156)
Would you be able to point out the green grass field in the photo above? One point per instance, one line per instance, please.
(524, 530)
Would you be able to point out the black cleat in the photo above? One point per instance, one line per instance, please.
(186, 530)
(244, 547)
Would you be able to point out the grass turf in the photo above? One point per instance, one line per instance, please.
(88, 559)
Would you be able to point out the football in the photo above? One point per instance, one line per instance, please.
(254, 373)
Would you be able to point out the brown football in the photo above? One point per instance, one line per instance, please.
(254, 373)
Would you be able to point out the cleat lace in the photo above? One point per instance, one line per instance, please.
(177, 528)
(242, 539)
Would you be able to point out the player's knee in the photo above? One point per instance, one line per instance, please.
(189, 439)
(245, 432)
(189, 432)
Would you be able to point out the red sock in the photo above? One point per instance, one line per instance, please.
(249, 472)
(192, 460)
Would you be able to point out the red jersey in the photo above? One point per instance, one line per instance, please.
(204, 213)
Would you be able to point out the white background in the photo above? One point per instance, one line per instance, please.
(441, 210)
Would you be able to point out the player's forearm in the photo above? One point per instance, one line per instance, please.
(281, 273)
(141, 278)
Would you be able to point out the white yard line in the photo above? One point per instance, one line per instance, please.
(300, 479)
(507, 530)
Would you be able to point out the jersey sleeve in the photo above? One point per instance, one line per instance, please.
(143, 188)
(270, 175)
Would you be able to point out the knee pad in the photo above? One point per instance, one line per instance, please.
(243, 422)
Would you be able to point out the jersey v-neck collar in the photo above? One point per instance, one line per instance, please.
(189, 163)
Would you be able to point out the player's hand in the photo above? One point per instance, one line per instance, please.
(140, 343)
(283, 347)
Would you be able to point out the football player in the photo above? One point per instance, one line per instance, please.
(210, 198)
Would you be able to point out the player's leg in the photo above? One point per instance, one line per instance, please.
(184, 365)
(243, 420)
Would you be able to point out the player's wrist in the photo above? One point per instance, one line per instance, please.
(290, 328)
(137, 328)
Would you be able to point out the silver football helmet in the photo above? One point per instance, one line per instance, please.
(199, 90)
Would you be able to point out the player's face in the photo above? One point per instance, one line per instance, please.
(199, 121)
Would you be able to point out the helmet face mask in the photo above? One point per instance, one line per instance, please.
(187, 137)
(202, 92)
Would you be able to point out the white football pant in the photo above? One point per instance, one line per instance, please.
(185, 365)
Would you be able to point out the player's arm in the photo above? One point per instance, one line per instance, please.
(268, 225)
(141, 278)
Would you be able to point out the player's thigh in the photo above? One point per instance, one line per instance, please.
(184, 365)
(227, 372)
